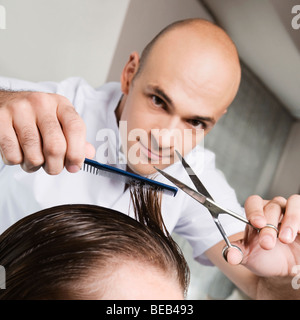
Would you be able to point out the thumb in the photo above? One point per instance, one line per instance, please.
(234, 255)
(239, 250)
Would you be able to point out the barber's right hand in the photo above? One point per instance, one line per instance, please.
(42, 130)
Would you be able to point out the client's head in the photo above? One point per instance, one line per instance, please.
(90, 252)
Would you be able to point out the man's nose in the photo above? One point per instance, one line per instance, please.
(171, 123)
(167, 136)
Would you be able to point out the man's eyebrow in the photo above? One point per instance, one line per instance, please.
(157, 90)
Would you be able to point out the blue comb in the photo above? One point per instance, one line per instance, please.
(97, 168)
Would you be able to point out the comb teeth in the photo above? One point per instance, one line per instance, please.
(90, 169)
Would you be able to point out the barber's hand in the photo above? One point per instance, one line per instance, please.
(266, 253)
(42, 130)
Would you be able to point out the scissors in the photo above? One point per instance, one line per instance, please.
(203, 197)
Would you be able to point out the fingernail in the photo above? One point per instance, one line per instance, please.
(258, 221)
(234, 257)
(73, 168)
(286, 235)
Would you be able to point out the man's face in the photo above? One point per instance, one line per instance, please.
(171, 105)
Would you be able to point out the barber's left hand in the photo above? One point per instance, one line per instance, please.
(267, 253)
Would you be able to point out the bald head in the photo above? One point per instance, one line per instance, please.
(208, 35)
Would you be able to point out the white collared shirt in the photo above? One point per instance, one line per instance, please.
(22, 193)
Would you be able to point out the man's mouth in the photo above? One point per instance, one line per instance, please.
(153, 155)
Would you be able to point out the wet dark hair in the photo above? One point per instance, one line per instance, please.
(52, 253)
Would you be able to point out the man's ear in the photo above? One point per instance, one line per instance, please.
(129, 72)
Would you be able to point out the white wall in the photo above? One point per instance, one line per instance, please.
(53, 40)
(145, 18)
(266, 42)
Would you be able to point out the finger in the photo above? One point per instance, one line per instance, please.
(290, 225)
(234, 256)
(30, 141)
(254, 210)
(272, 211)
(54, 143)
(75, 133)
(235, 253)
(31, 145)
(10, 149)
(89, 151)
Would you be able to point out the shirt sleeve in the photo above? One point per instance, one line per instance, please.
(196, 224)
(1, 164)
(22, 85)
(67, 88)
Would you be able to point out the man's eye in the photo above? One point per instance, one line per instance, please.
(158, 102)
(197, 124)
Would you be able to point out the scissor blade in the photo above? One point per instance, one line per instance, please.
(196, 181)
(192, 193)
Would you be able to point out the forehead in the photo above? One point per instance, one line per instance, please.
(198, 72)
(133, 280)
(187, 92)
